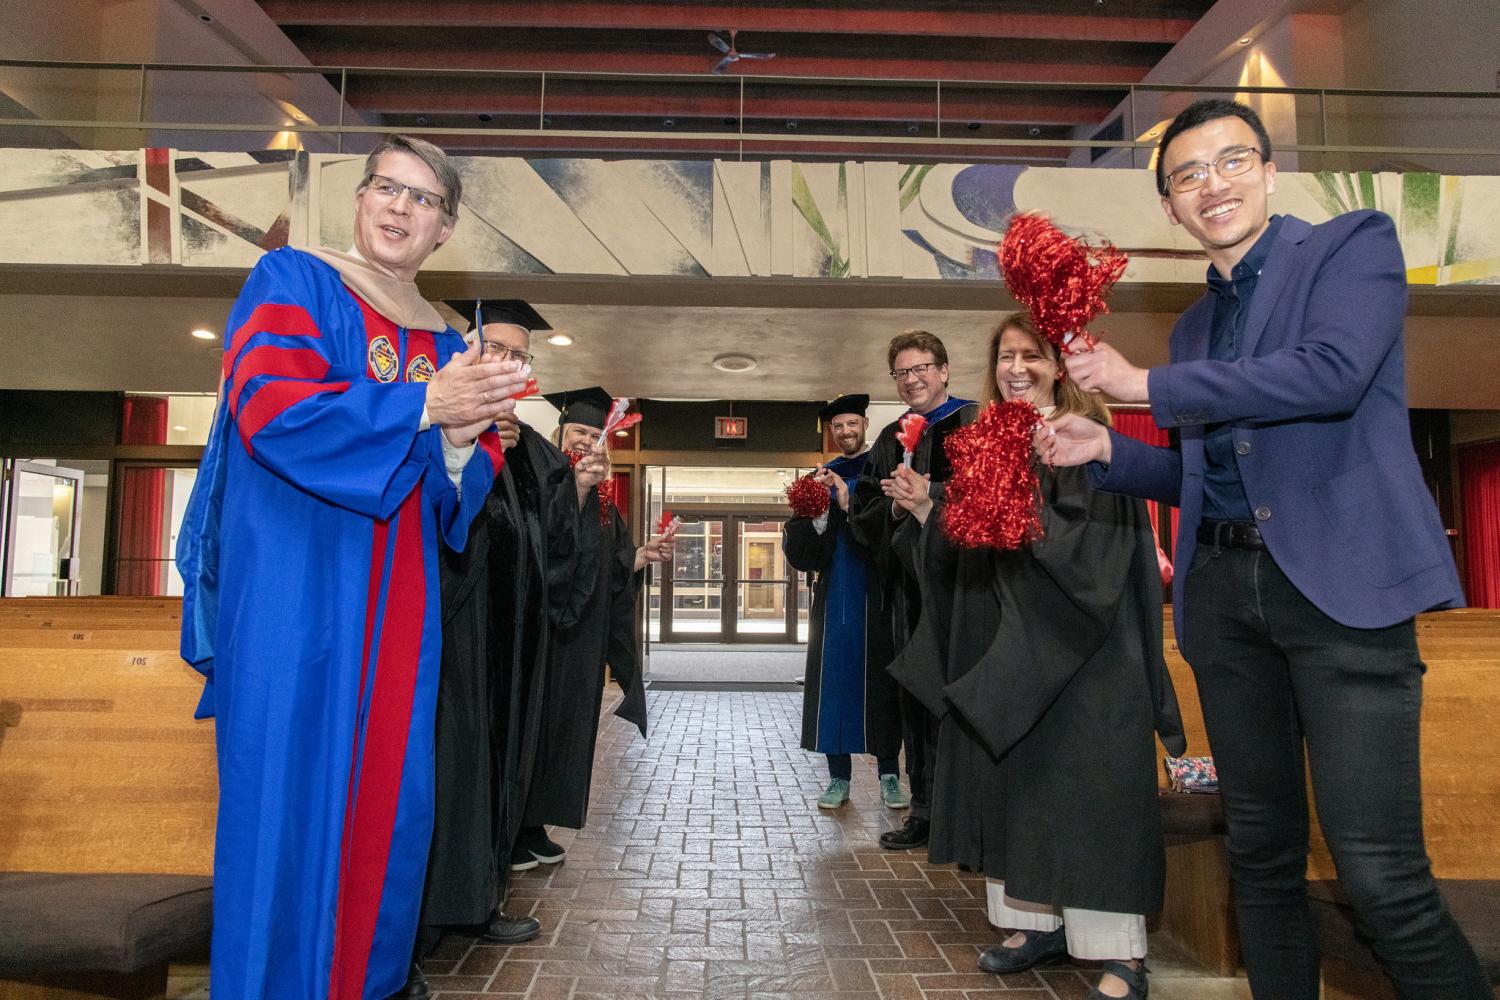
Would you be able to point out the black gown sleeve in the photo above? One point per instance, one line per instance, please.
(622, 653)
(1058, 603)
(871, 522)
(806, 549)
(574, 533)
(919, 666)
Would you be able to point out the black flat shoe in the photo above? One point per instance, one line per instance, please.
(505, 929)
(1135, 979)
(912, 834)
(1040, 948)
(416, 986)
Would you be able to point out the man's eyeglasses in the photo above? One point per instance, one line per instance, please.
(1192, 176)
(421, 197)
(900, 374)
(499, 352)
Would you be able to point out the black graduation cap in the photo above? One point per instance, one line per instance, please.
(589, 407)
(513, 311)
(855, 403)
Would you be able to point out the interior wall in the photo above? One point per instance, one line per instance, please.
(1449, 45)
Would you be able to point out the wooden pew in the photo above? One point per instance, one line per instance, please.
(103, 771)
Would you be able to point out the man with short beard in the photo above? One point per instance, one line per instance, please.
(919, 365)
(849, 704)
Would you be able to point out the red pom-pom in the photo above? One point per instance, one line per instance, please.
(807, 497)
(992, 494)
(1062, 281)
(530, 389)
(666, 519)
(912, 426)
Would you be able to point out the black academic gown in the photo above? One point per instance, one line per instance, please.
(502, 597)
(877, 696)
(604, 634)
(873, 528)
(1045, 668)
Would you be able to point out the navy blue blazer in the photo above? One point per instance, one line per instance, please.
(1317, 400)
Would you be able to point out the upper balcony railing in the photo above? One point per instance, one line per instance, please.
(100, 105)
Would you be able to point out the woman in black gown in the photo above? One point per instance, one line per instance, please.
(1045, 666)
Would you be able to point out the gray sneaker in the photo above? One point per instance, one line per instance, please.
(891, 793)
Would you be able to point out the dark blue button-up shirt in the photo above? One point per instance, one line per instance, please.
(1223, 490)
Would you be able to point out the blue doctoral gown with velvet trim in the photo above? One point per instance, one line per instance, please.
(849, 702)
(308, 555)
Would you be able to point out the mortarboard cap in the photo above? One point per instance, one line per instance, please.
(589, 407)
(856, 404)
(512, 311)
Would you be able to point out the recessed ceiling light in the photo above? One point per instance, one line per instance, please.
(622, 434)
(202, 334)
(735, 364)
(1245, 40)
(1153, 133)
(179, 428)
(560, 340)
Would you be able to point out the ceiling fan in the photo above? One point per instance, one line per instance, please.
(732, 54)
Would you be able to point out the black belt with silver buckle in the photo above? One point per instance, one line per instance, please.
(1230, 534)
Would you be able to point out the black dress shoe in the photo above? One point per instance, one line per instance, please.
(1040, 948)
(505, 929)
(912, 834)
(416, 985)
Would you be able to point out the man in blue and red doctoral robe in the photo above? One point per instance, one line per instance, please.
(353, 437)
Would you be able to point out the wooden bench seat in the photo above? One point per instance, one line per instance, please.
(110, 795)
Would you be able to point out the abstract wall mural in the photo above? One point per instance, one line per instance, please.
(688, 219)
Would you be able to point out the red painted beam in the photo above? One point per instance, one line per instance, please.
(849, 19)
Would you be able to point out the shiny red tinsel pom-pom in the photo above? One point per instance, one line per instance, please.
(1062, 281)
(807, 497)
(992, 495)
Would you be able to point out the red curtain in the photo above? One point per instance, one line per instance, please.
(1479, 487)
(618, 487)
(143, 494)
(1140, 425)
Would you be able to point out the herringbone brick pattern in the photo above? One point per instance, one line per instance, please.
(706, 870)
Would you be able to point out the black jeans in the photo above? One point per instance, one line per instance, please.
(841, 765)
(1278, 679)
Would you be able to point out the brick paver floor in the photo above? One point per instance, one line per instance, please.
(706, 870)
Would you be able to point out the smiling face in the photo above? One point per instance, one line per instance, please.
(396, 233)
(578, 438)
(848, 430)
(1226, 215)
(1025, 368)
(924, 392)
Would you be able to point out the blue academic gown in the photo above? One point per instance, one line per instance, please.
(850, 703)
(308, 554)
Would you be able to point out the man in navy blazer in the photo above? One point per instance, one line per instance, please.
(1307, 544)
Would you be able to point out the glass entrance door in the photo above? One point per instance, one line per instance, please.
(729, 582)
(41, 530)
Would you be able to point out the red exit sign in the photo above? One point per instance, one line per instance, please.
(731, 428)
